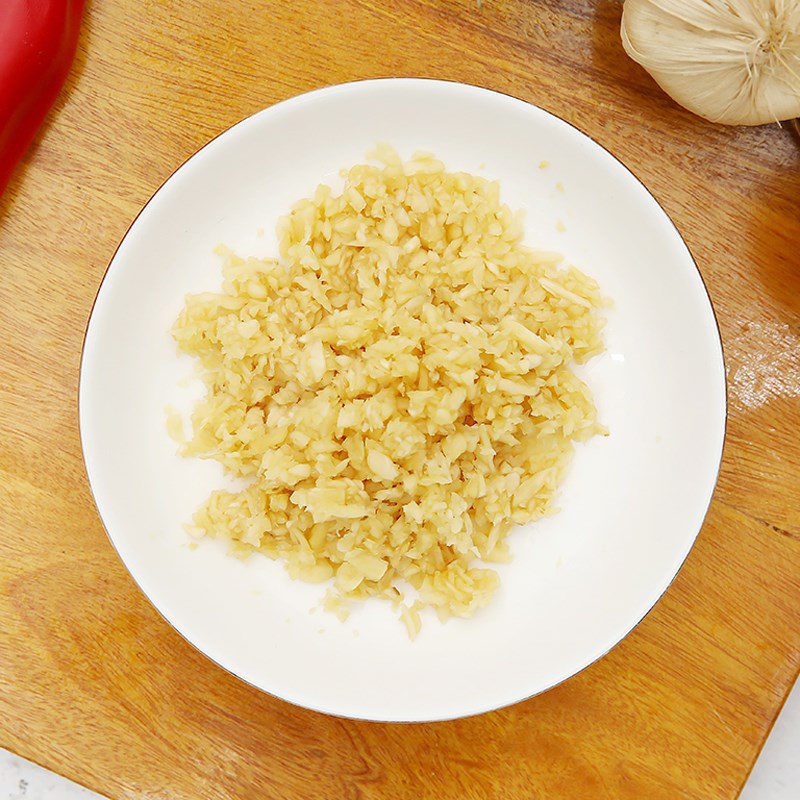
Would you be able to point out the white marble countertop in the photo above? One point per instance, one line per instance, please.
(776, 775)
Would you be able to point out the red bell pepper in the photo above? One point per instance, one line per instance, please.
(37, 45)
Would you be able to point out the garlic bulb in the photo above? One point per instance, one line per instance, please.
(731, 61)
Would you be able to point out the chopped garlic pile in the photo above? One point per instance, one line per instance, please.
(397, 386)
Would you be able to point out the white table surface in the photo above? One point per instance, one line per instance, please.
(776, 775)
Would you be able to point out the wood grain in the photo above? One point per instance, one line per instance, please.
(94, 684)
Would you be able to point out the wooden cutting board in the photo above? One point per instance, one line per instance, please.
(97, 686)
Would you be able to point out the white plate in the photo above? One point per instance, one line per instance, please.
(631, 505)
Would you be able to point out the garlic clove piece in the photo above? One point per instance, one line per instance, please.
(735, 62)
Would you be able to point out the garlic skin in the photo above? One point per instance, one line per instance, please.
(736, 62)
